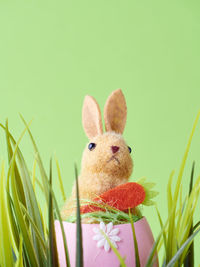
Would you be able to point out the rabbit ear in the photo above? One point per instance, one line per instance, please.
(91, 117)
(115, 112)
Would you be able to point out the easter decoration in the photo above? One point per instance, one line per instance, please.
(108, 200)
(103, 226)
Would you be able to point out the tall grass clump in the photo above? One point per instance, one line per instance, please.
(27, 233)
(178, 232)
(26, 238)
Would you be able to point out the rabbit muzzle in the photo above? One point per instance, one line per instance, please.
(114, 158)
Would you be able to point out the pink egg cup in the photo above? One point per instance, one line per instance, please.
(98, 257)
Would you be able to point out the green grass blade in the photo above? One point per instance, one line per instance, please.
(19, 187)
(62, 230)
(191, 178)
(162, 227)
(61, 223)
(121, 260)
(6, 258)
(60, 180)
(184, 159)
(152, 254)
(39, 185)
(12, 222)
(196, 225)
(180, 212)
(189, 260)
(33, 210)
(19, 262)
(41, 167)
(57, 211)
(10, 155)
(169, 191)
(33, 174)
(27, 259)
(29, 248)
(137, 258)
(182, 248)
(53, 259)
(171, 241)
(188, 214)
(79, 245)
(31, 201)
(34, 226)
(46, 191)
(189, 209)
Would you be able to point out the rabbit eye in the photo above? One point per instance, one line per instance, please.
(91, 146)
(129, 149)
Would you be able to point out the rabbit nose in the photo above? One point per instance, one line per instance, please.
(114, 149)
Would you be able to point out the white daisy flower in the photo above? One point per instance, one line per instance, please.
(111, 233)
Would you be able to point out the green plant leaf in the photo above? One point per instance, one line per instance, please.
(184, 159)
(137, 258)
(189, 259)
(46, 187)
(12, 221)
(46, 192)
(152, 256)
(30, 251)
(79, 245)
(121, 260)
(196, 225)
(63, 232)
(169, 191)
(6, 258)
(33, 174)
(149, 193)
(182, 248)
(60, 180)
(187, 218)
(30, 198)
(53, 254)
(41, 167)
(19, 262)
(162, 227)
(171, 239)
(10, 155)
(42, 241)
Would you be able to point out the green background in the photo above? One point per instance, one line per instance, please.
(53, 53)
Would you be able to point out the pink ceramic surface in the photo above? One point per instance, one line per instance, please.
(98, 257)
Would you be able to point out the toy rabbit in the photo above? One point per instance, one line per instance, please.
(106, 160)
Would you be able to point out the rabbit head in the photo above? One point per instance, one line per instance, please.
(106, 152)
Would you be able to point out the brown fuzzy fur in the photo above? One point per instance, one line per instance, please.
(101, 170)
